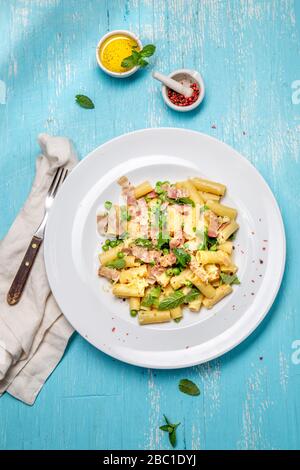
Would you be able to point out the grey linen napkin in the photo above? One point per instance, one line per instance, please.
(33, 333)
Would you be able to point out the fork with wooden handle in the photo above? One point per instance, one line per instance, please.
(22, 275)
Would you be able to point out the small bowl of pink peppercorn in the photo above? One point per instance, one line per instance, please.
(188, 78)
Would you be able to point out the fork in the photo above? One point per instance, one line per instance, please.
(18, 284)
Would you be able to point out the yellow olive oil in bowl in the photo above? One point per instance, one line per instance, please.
(113, 48)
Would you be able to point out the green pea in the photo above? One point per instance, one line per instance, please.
(107, 242)
(133, 313)
(113, 243)
(105, 248)
(108, 205)
(120, 255)
(176, 271)
(165, 251)
(169, 272)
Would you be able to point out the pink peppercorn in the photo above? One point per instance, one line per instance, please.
(181, 100)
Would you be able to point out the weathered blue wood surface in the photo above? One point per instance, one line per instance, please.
(248, 52)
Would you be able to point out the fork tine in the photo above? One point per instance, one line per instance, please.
(58, 183)
(53, 181)
(66, 174)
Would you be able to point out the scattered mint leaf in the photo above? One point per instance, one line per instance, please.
(188, 387)
(229, 279)
(84, 102)
(171, 430)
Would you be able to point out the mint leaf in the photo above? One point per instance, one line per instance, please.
(171, 430)
(142, 62)
(84, 102)
(143, 242)
(188, 387)
(158, 188)
(118, 263)
(183, 258)
(178, 298)
(203, 209)
(135, 55)
(232, 237)
(138, 57)
(167, 421)
(185, 200)
(172, 301)
(148, 50)
(166, 428)
(128, 62)
(152, 297)
(229, 279)
(172, 438)
(208, 243)
(192, 295)
(162, 240)
(125, 216)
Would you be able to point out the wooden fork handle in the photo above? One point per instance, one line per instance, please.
(18, 284)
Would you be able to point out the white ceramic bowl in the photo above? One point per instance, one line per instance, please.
(112, 33)
(178, 75)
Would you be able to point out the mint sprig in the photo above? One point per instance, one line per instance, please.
(137, 58)
(183, 258)
(171, 430)
(178, 298)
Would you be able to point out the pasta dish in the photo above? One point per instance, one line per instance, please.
(168, 246)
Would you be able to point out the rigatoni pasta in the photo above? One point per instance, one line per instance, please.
(171, 248)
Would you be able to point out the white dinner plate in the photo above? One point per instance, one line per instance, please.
(72, 244)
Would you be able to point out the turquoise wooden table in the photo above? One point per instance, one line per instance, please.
(248, 52)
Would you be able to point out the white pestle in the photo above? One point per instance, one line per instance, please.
(173, 84)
